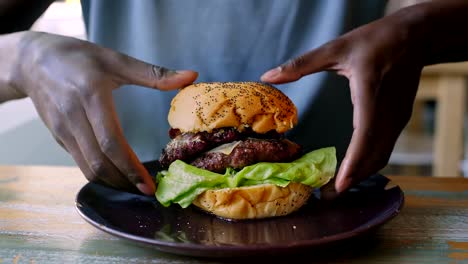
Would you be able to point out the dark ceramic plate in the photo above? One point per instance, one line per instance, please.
(195, 233)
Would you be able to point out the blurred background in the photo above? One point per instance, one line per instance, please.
(21, 130)
(433, 143)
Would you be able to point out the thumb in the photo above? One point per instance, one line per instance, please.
(322, 58)
(133, 71)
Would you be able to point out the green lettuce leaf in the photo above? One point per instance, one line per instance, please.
(182, 182)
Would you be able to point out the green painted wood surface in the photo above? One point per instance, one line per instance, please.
(39, 224)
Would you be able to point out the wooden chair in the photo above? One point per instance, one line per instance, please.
(444, 84)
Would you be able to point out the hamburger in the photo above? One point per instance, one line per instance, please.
(229, 156)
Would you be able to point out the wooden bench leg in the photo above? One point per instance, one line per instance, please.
(448, 148)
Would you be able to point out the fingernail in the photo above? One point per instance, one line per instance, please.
(188, 75)
(170, 73)
(144, 188)
(271, 73)
(173, 72)
(182, 71)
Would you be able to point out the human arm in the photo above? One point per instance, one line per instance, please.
(15, 15)
(70, 82)
(383, 61)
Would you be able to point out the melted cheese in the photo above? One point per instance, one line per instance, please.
(225, 148)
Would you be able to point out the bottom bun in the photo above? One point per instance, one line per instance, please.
(258, 201)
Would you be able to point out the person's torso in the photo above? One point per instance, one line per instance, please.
(228, 40)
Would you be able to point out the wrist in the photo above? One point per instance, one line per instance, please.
(10, 56)
(436, 30)
(412, 27)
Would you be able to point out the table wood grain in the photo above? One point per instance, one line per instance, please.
(39, 224)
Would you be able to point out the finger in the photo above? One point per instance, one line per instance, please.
(62, 119)
(322, 58)
(64, 138)
(101, 114)
(101, 167)
(60, 142)
(133, 71)
(328, 191)
(72, 148)
(353, 167)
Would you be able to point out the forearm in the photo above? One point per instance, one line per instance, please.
(438, 30)
(10, 57)
(18, 15)
(15, 15)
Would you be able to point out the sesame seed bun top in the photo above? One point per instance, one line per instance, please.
(207, 106)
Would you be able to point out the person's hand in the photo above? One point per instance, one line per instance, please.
(383, 68)
(70, 83)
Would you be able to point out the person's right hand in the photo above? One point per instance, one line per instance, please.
(70, 83)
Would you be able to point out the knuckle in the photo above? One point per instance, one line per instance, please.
(67, 107)
(159, 72)
(296, 64)
(108, 145)
(80, 82)
(85, 92)
(84, 86)
(98, 167)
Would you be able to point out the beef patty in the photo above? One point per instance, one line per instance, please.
(250, 148)
(248, 152)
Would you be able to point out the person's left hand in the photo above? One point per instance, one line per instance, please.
(383, 66)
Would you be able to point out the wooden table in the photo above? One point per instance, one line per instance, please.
(39, 224)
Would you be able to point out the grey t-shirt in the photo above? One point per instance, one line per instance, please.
(229, 40)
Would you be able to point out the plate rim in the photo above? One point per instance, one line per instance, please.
(193, 249)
